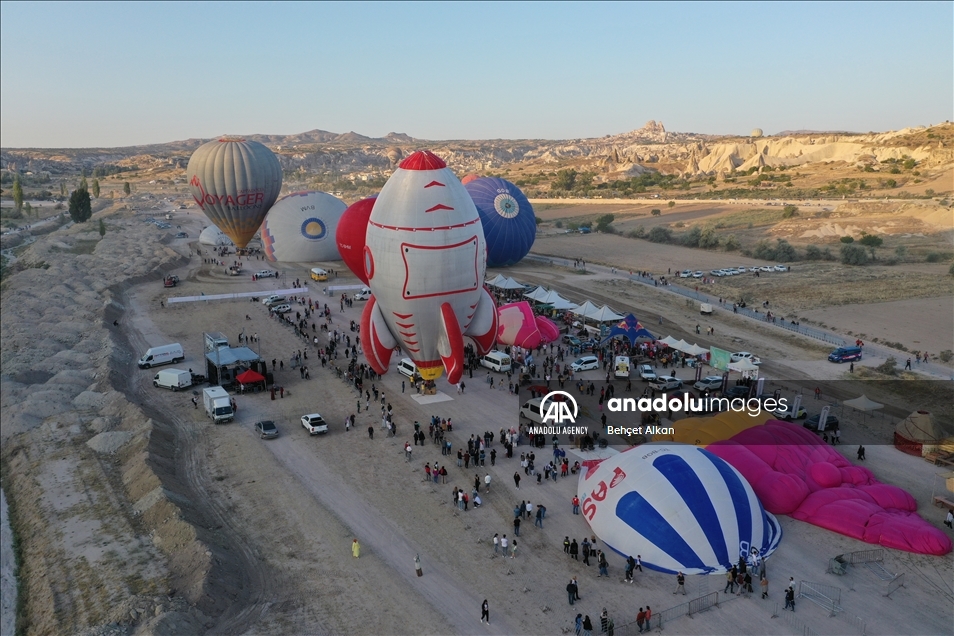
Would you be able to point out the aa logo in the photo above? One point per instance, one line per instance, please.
(558, 408)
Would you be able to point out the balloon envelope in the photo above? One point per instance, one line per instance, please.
(235, 182)
(300, 228)
(507, 216)
(680, 507)
(214, 236)
(351, 236)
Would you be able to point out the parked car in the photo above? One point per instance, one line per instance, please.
(717, 272)
(646, 372)
(314, 423)
(266, 429)
(812, 423)
(708, 383)
(182, 235)
(697, 274)
(364, 294)
(780, 268)
(573, 341)
(745, 355)
(265, 273)
(281, 309)
(686, 273)
(666, 384)
(788, 416)
(586, 363)
(765, 268)
(736, 391)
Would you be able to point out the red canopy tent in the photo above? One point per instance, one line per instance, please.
(250, 378)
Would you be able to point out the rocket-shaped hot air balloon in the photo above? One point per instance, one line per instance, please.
(235, 182)
(425, 257)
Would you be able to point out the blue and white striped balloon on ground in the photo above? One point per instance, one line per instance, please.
(507, 217)
(679, 507)
(300, 228)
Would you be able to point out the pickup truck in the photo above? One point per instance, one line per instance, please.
(314, 424)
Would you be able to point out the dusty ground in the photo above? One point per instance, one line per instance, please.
(208, 527)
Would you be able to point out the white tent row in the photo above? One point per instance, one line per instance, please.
(550, 297)
(598, 314)
(685, 347)
(502, 282)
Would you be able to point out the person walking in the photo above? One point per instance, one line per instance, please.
(370, 432)
(575, 550)
(587, 626)
(763, 583)
(485, 612)
(496, 542)
(571, 592)
(566, 545)
(513, 549)
(355, 549)
(603, 564)
(504, 544)
(861, 452)
(539, 518)
(576, 505)
(630, 564)
(579, 624)
(516, 480)
(949, 520)
(680, 583)
(730, 580)
(516, 526)
(639, 563)
(790, 599)
(649, 617)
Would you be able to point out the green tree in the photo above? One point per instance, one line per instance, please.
(62, 189)
(691, 238)
(909, 164)
(565, 179)
(102, 228)
(847, 239)
(731, 243)
(17, 194)
(656, 212)
(671, 204)
(603, 223)
(28, 209)
(83, 185)
(854, 255)
(81, 209)
(784, 252)
(871, 240)
(95, 189)
(709, 239)
(660, 234)
(789, 211)
(901, 251)
(126, 188)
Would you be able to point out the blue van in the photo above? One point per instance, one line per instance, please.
(845, 354)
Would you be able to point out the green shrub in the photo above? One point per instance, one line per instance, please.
(731, 243)
(934, 257)
(854, 255)
(812, 253)
(660, 234)
(847, 239)
(656, 212)
(870, 240)
(559, 224)
(789, 211)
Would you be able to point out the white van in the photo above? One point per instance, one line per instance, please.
(621, 367)
(407, 367)
(496, 361)
(166, 354)
(173, 379)
(273, 299)
(531, 410)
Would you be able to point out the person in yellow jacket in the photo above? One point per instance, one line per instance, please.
(355, 549)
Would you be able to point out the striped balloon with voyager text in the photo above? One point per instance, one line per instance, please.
(677, 506)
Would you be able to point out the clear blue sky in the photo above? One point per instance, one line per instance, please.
(114, 74)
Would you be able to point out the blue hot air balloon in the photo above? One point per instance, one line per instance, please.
(509, 224)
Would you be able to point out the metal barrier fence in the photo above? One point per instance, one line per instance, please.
(894, 584)
(296, 291)
(866, 556)
(827, 597)
(659, 619)
(797, 626)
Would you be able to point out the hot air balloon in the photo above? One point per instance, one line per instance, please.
(425, 262)
(678, 506)
(300, 228)
(235, 182)
(351, 233)
(469, 177)
(519, 326)
(214, 236)
(509, 224)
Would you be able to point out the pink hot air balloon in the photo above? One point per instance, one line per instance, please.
(518, 326)
(793, 472)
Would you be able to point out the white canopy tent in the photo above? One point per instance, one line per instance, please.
(605, 314)
(743, 366)
(862, 403)
(537, 294)
(586, 309)
(669, 341)
(497, 280)
(696, 350)
(509, 283)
